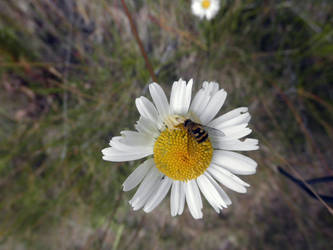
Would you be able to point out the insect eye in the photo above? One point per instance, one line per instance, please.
(186, 122)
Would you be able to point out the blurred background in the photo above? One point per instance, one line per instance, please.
(70, 71)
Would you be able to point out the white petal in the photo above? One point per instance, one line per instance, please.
(133, 139)
(181, 202)
(243, 118)
(174, 199)
(131, 144)
(203, 97)
(147, 127)
(177, 199)
(223, 194)
(240, 134)
(193, 199)
(213, 106)
(119, 146)
(158, 195)
(234, 162)
(137, 175)
(142, 201)
(230, 175)
(160, 99)
(237, 132)
(199, 102)
(146, 108)
(197, 9)
(210, 87)
(112, 154)
(147, 187)
(210, 193)
(209, 15)
(213, 9)
(234, 144)
(226, 180)
(177, 88)
(188, 96)
(180, 98)
(227, 116)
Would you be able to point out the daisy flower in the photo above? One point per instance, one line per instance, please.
(185, 159)
(205, 8)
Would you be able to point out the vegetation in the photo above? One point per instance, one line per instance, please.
(69, 75)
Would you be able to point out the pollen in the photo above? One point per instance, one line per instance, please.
(179, 155)
(205, 4)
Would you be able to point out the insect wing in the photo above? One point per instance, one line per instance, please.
(214, 132)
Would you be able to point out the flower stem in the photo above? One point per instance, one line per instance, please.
(136, 35)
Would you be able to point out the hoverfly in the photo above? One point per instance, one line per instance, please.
(200, 132)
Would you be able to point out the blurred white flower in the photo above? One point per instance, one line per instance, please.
(185, 159)
(205, 8)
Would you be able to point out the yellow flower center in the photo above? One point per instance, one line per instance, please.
(205, 4)
(179, 155)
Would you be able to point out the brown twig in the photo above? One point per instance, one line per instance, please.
(304, 130)
(297, 174)
(311, 96)
(136, 35)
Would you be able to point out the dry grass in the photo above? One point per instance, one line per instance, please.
(70, 72)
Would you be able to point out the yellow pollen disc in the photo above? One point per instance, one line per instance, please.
(205, 4)
(178, 155)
